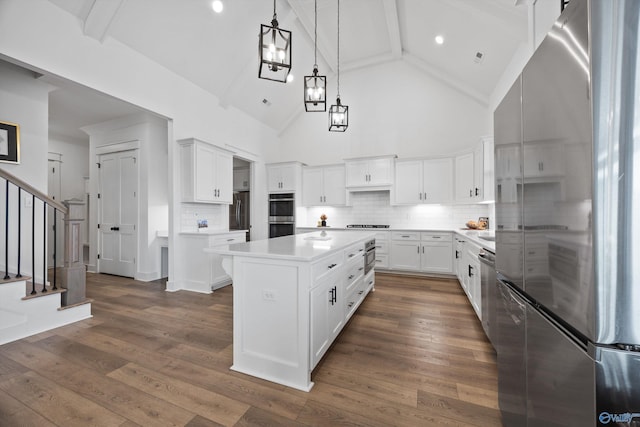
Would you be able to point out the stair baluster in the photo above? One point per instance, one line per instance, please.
(19, 230)
(55, 247)
(44, 248)
(33, 244)
(6, 234)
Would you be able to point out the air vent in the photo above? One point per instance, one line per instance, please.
(478, 58)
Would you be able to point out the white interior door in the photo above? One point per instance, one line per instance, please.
(118, 213)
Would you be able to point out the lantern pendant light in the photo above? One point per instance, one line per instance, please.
(315, 86)
(338, 113)
(274, 49)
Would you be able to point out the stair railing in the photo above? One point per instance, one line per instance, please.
(73, 273)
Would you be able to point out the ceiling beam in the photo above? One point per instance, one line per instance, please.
(393, 27)
(445, 78)
(99, 17)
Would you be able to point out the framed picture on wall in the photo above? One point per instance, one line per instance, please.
(9, 142)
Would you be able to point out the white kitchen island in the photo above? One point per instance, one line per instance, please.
(292, 295)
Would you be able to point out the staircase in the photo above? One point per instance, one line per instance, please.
(52, 296)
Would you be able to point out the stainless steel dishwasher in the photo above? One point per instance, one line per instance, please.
(488, 293)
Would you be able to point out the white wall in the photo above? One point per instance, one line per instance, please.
(150, 135)
(75, 166)
(412, 115)
(24, 101)
(44, 37)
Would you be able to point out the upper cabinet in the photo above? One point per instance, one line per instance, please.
(475, 174)
(366, 173)
(284, 177)
(423, 181)
(207, 172)
(323, 185)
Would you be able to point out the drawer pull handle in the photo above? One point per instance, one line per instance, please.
(351, 276)
(405, 236)
(230, 240)
(436, 237)
(351, 304)
(361, 268)
(352, 255)
(331, 266)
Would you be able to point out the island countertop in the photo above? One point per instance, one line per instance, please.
(300, 247)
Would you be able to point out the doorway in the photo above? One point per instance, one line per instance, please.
(240, 209)
(118, 213)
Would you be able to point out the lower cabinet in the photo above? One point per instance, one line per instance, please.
(428, 252)
(327, 314)
(469, 276)
(204, 271)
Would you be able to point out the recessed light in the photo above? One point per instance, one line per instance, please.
(289, 78)
(217, 6)
(439, 39)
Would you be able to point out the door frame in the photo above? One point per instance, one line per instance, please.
(112, 148)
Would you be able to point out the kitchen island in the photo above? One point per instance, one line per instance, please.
(292, 296)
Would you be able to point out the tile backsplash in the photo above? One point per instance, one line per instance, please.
(373, 207)
(216, 216)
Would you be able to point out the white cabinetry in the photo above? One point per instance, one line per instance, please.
(207, 172)
(468, 272)
(323, 185)
(382, 249)
(365, 173)
(429, 252)
(284, 177)
(327, 313)
(423, 181)
(203, 272)
(475, 174)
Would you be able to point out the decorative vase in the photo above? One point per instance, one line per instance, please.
(324, 223)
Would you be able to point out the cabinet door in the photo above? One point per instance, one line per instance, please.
(274, 179)
(464, 178)
(357, 172)
(436, 257)
(320, 337)
(405, 255)
(288, 178)
(224, 177)
(334, 185)
(438, 180)
(312, 191)
(478, 173)
(408, 185)
(205, 173)
(380, 171)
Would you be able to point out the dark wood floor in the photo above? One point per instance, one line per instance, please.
(413, 355)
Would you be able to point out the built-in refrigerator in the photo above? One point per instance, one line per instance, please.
(567, 155)
(239, 218)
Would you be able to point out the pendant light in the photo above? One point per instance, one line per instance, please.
(338, 113)
(315, 86)
(274, 49)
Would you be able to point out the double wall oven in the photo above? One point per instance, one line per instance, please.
(282, 214)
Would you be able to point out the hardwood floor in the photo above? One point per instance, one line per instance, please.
(414, 354)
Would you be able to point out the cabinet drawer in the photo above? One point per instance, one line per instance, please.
(354, 273)
(228, 239)
(382, 260)
(407, 235)
(382, 247)
(436, 237)
(326, 265)
(354, 253)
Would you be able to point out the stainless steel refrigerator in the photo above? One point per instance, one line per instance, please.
(239, 218)
(567, 153)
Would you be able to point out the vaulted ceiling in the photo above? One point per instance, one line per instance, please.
(219, 52)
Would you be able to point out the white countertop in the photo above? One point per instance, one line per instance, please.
(211, 232)
(301, 247)
(472, 235)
